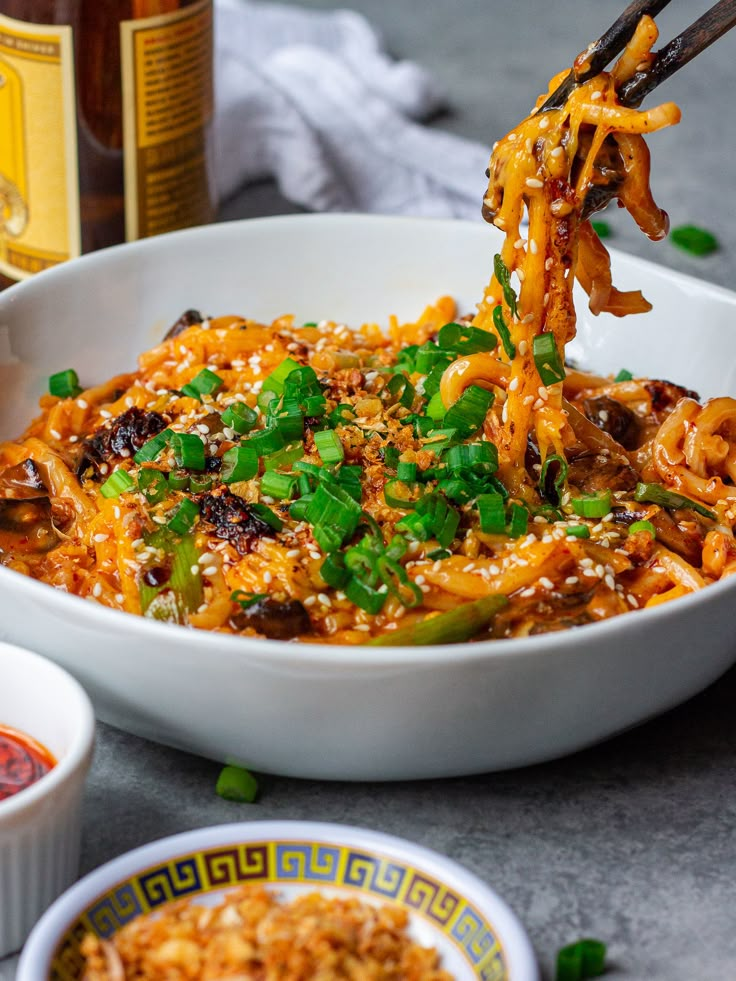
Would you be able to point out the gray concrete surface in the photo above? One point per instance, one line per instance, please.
(633, 841)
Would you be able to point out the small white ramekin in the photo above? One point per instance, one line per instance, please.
(40, 827)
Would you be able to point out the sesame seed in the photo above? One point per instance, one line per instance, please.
(82, 403)
(211, 570)
(544, 123)
(543, 393)
(310, 600)
(513, 384)
(520, 275)
(527, 592)
(55, 433)
(101, 538)
(424, 589)
(520, 243)
(557, 152)
(105, 414)
(194, 569)
(547, 583)
(315, 555)
(97, 589)
(533, 247)
(324, 599)
(571, 580)
(590, 573)
(119, 598)
(523, 347)
(534, 182)
(116, 511)
(267, 577)
(632, 600)
(293, 553)
(420, 580)
(595, 96)
(610, 581)
(362, 626)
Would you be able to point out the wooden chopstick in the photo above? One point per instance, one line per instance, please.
(595, 58)
(680, 50)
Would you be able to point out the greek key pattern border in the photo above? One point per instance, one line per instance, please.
(284, 863)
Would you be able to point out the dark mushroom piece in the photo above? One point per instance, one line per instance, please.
(614, 418)
(276, 619)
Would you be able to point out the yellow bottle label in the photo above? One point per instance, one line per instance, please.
(39, 188)
(167, 104)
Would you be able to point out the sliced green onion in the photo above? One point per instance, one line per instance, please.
(265, 513)
(547, 359)
(623, 376)
(333, 571)
(301, 382)
(200, 483)
(503, 332)
(592, 505)
(398, 494)
(183, 591)
(401, 390)
(453, 627)
(429, 356)
(518, 521)
(152, 448)
(289, 420)
(638, 526)
(264, 399)
(468, 413)
(275, 381)
(117, 483)
(236, 784)
(246, 600)
(466, 339)
(553, 494)
(406, 471)
(238, 463)
(284, 458)
(182, 521)
(696, 241)
(480, 458)
(601, 228)
(265, 441)
(298, 509)
(433, 379)
(348, 477)
(342, 415)
(239, 417)
(503, 275)
(204, 383)
(439, 439)
(153, 485)
(656, 494)
(577, 531)
(188, 451)
(178, 480)
(457, 490)
(391, 456)
(366, 597)
(65, 384)
(437, 554)
(329, 446)
(280, 486)
(492, 514)
(334, 515)
(581, 960)
(436, 408)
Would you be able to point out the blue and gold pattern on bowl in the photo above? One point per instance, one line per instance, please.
(476, 935)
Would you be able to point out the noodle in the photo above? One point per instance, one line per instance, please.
(319, 483)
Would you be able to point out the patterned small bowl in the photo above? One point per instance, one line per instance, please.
(474, 931)
(40, 827)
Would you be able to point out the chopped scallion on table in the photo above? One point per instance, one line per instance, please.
(237, 784)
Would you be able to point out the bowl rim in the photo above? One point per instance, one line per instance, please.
(318, 654)
(48, 931)
(76, 706)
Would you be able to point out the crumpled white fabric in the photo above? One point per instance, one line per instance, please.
(311, 99)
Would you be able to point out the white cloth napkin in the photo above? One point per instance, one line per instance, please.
(311, 99)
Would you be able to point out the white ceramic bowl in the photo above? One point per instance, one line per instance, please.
(40, 826)
(337, 712)
(476, 934)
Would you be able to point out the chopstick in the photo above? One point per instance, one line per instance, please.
(680, 50)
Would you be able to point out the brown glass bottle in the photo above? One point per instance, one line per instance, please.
(177, 137)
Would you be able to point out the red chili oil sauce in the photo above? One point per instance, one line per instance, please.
(23, 761)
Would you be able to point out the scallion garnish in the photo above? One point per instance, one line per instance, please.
(657, 494)
(200, 483)
(552, 478)
(153, 485)
(623, 376)
(236, 784)
(65, 384)
(399, 494)
(453, 627)
(696, 241)
(152, 448)
(265, 441)
(275, 381)
(492, 514)
(288, 419)
(342, 415)
(547, 359)
(239, 417)
(280, 486)
(503, 332)
(182, 592)
(468, 413)
(429, 356)
(436, 408)
(646, 526)
(334, 515)
(592, 505)
(117, 483)
(246, 600)
(265, 513)
(206, 382)
(518, 521)
(577, 531)
(581, 960)
(178, 480)
(433, 379)
(401, 390)
(238, 463)
(465, 339)
(503, 275)
(601, 228)
(183, 518)
(188, 451)
(479, 458)
(283, 458)
(406, 471)
(329, 446)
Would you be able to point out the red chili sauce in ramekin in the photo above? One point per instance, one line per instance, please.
(23, 761)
